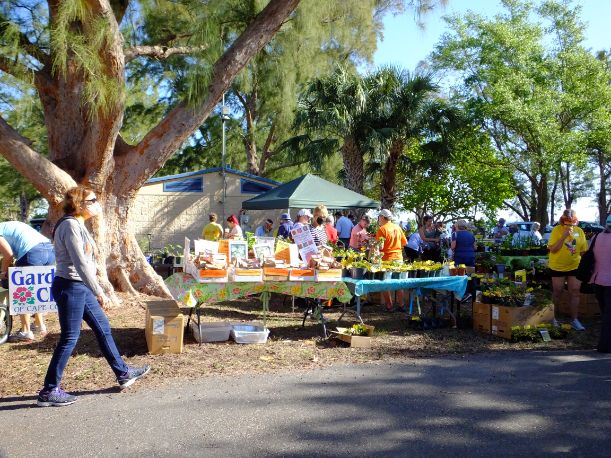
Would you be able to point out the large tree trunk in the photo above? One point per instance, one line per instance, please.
(353, 165)
(541, 201)
(85, 146)
(389, 176)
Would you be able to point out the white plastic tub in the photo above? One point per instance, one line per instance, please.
(211, 331)
(249, 334)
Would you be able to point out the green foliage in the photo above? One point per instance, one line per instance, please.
(528, 78)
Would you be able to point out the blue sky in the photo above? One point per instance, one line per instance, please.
(405, 45)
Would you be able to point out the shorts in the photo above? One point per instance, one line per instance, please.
(568, 273)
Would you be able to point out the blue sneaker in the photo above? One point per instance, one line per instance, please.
(54, 397)
(132, 374)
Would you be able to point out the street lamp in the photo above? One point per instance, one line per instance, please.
(224, 117)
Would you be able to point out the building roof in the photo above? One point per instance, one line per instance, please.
(212, 170)
(307, 192)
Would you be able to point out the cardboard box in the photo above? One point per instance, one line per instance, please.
(164, 327)
(588, 306)
(355, 341)
(246, 275)
(302, 275)
(329, 275)
(504, 318)
(482, 317)
(276, 273)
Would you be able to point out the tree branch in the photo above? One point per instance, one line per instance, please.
(515, 210)
(160, 51)
(30, 48)
(165, 138)
(51, 181)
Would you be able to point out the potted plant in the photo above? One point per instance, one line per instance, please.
(358, 269)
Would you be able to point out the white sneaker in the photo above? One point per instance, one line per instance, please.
(577, 326)
(42, 330)
(21, 335)
(555, 323)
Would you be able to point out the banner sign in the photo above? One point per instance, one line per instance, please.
(30, 289)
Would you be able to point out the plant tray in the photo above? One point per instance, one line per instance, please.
(355, 341)
(211, 331)
(249, 334)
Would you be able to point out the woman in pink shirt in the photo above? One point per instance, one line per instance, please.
(601, 278)
(359, 234)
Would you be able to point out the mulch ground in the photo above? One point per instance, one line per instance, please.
(290, 347)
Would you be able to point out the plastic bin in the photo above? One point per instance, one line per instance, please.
(249, 334)
(211, 331)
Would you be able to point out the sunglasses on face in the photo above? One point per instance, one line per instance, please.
(91, 201)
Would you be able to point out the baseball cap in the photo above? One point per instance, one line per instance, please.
(285, 216)
(304, 212)
(386, 214)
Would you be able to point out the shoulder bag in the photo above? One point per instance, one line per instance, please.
(586, 264)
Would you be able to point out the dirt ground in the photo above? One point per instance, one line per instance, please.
(290, 347)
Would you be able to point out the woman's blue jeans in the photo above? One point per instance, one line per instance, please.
(75, 303)
(41, 255)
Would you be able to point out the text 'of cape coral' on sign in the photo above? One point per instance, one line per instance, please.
(30, 289)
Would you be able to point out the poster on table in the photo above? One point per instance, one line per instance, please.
(30, 289)
(287, 252)
(305, 242)
(238, 250)
(267, 241)
(263, 251)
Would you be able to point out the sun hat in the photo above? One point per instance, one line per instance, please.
(285, 216)
(462, 223)
(386, 214)
(304, 212)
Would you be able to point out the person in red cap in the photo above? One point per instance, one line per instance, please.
(235, 231)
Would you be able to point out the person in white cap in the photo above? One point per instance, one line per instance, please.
(304, 216)
(392, 249)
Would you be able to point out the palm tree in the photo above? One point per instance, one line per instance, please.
(332, 109)
(402, 108)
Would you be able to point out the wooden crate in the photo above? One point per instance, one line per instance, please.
(503, 318)
(482, 317)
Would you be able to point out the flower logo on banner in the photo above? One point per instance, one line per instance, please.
(23, 295)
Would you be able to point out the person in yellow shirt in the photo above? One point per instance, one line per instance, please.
(392, 249)
(213, 230)
(566, 244)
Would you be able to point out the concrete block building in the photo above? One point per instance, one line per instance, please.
(169, 208)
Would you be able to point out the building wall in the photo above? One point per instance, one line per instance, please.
(170, 216)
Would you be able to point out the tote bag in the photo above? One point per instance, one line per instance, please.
(586, 264)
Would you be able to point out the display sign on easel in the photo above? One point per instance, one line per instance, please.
(305, 242)
(30, 290)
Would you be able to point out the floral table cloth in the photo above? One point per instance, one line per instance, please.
(181, 283)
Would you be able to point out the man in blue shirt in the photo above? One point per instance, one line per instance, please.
(286, 224)
(344, 228)
(266, 229)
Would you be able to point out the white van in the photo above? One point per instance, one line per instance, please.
(524, 228)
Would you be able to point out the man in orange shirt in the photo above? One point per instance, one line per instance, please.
(394, 241)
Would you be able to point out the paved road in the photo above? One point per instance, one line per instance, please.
(508, 404)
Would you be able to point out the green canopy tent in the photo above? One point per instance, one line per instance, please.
(309, 191)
